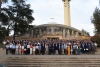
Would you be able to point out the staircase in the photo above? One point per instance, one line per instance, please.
(47, 61)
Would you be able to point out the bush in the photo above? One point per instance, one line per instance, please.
(96, 38)
(1, 45)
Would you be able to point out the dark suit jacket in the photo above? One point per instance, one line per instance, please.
(56, 47)
(53, 47)
(43, 47)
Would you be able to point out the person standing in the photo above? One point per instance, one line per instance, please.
(34, 49)
(17, 46)
(65, 48)
(53, 49)
(31, 49)
(59, 49)
(71, 49)
(4, 44)
(19, 49)
(62, 48)
(7, 48)
(95, 46)
(86, 48)
(49, 49)
(43, 48)
(89, 47)
(74, 48)
(39, 49)
(56, 49)
(83, 48)
(28, 48)
(13, 48)
(46, 47)
(23, 48)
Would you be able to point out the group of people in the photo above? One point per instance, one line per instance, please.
(54, 47)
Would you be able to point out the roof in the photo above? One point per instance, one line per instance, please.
(60, 25)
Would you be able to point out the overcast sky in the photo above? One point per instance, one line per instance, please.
(81, 12)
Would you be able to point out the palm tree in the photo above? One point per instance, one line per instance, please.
(2, 1)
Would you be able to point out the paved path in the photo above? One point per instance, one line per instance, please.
(49, 55)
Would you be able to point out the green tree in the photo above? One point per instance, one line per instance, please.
(96, 20)
(3, 32)
(2, 1)
(17, 16)
(84, 31)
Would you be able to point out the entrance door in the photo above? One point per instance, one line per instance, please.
(55, 38)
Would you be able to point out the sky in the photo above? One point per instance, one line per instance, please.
(81, 12)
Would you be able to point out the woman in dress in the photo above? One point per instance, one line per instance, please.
(31, 49)
(34, 49)
(19, 49)
(71, 48)
(46, 47)
(17, 46)
(23, 49)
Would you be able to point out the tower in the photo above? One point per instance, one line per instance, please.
(67, 18)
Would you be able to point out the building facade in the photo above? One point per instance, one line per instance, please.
(54, 31)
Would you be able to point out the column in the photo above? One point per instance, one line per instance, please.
(69, 16)
(66, 12)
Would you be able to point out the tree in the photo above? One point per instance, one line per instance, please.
(17, 16)
(3, 32)
(2, 1)
(96, 20)
(84, 31)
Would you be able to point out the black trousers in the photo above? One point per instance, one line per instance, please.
(10, 50)
(49, 51)
(28, 51)
(43, 51)
(36, 51)
(53, 51)
(59, 52)
(13, 51)
(7, 50)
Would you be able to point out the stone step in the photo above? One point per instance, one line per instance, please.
(50, 63)
(55, 66)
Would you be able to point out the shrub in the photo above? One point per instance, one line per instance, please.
(96, 38)
(1, 45)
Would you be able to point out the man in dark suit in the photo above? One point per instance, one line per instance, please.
(86, 48)
(43, 48)
(49, 48)
(53, 49)
(89, 47)
(83, 49)
(56, 49)
(59, 49)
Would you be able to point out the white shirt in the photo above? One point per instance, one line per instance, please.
(22, 47)
(7, 46)
(10, 45)
(4, 42)
(17, 47)
(28, 46)
(65, 46)
(36, 47)
(95, 44)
